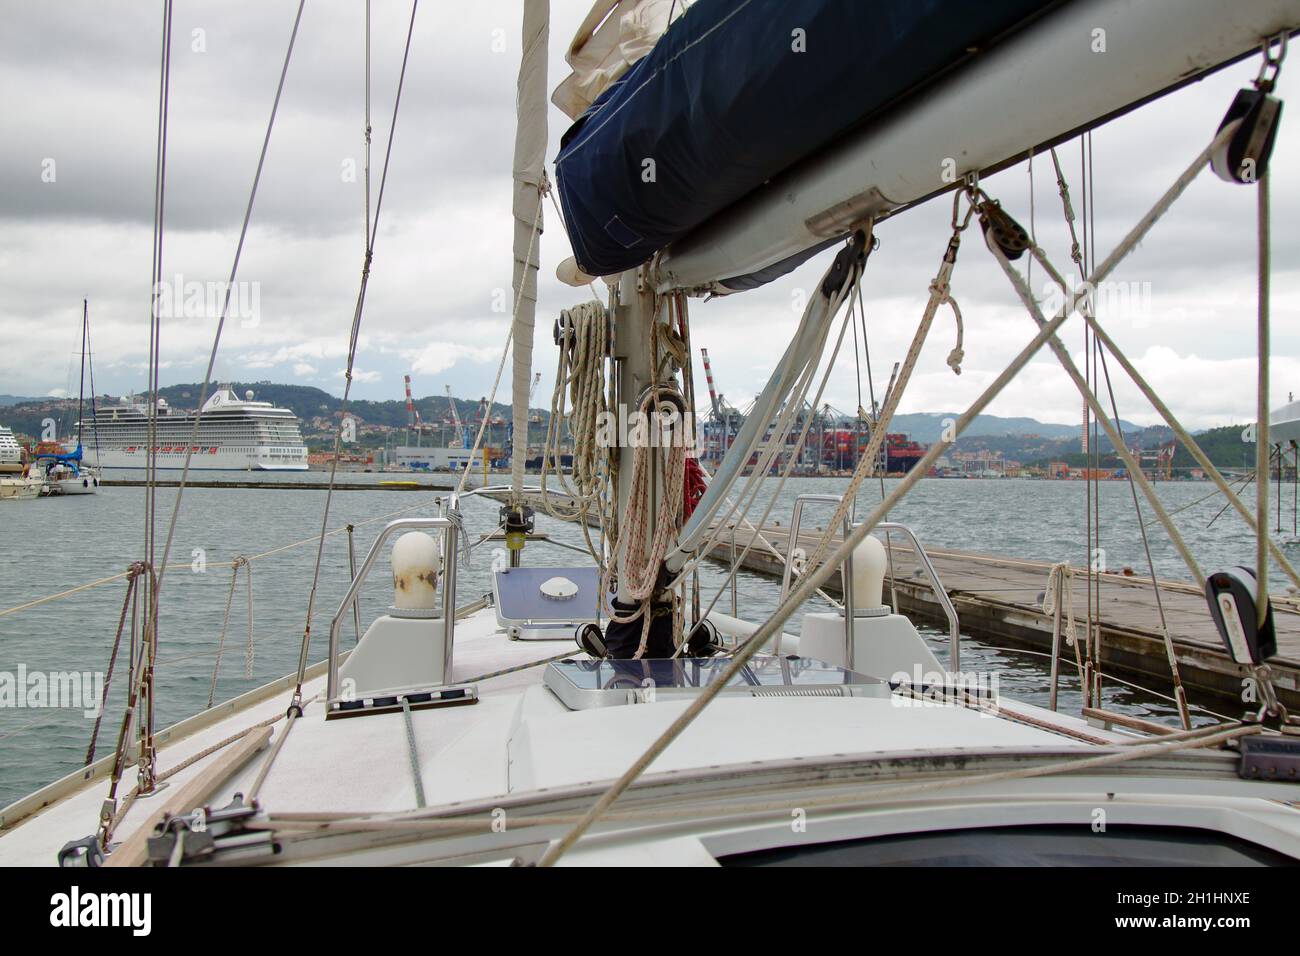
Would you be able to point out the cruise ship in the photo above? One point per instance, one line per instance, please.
(11, 453)
(234, 435)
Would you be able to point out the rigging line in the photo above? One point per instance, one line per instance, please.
(141, 680)
(1190, 443)
(794, 455)
(352, 354)
(94, 414)
(368, 129)
(857, 364)
(225, 306)
(1067, 363)
(81, 388)
(1142, 687)
(413, 753)
(112, 661)
(783, 418)
(1243, 481)
(1179, 692)
(1100, 363)
(223, 564)
(871, 394)
(1262, 447)
(940, 294)
(1033, 229)
(803, 590)
(155, 276)
(739, 506)
(1092, 485)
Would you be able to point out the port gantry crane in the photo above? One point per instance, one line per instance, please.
(462, 438)
(724, 417)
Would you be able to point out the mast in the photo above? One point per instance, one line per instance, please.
(94, 411)
(81, 389)
(529, 188)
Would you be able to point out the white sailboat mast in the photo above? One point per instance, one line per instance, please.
(529, 179)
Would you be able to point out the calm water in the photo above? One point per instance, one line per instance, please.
(50, 545)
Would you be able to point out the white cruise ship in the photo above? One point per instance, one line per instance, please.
(11, 453)
(234, 434)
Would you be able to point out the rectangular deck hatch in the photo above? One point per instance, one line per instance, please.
(545, 598)
(584, 684)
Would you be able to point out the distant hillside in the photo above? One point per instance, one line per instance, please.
(926, 427)
(1040, 450)
(307, 402)
(1224, 446)
(7, 400)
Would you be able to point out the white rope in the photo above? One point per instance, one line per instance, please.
(1062, 576)
(643, 552)
(579, 378)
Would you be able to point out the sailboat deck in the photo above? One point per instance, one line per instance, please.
(517, 739)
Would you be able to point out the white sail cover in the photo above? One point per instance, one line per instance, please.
(615, 34)
(529, 174)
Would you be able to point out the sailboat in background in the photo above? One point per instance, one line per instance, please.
(61, 471)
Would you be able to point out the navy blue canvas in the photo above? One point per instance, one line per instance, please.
(734, 93)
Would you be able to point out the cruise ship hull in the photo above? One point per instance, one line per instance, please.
(205, 458)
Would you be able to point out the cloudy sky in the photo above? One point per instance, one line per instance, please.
(76, 179)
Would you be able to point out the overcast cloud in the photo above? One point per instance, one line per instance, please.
(80, 86)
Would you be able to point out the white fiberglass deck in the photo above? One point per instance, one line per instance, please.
(517, 738)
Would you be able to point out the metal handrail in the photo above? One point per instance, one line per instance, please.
(450, 525)
(940, 592)
(846, 577)
(846, 569)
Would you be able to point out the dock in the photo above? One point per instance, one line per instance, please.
(393, 485)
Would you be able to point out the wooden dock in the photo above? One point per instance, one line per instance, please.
(999, 600)
(294, 485)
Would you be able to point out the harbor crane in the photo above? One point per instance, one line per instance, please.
(462, 438)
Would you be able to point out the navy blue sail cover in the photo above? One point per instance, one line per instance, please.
(737, 91)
